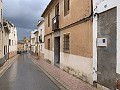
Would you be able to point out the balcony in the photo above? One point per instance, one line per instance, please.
(55, 23)
(6, 26)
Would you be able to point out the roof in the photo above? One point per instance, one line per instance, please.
(40, 22)
(36, 31)
(47, 8)
(20, 42)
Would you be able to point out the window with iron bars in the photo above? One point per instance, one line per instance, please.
(66, 43)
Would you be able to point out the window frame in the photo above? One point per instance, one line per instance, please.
(49, 20)
(66, 7)
(66, 41)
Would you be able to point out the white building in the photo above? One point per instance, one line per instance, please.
(12, 41)
(41, 39)
(32, 41)
(106, 52)
(1, 39)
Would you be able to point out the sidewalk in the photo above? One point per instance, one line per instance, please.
(68, 81)
(7, 64)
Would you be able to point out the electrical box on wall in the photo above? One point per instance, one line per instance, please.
(102, 42)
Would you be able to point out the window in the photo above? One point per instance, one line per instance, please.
(1, 13)
(9, 42)
(48, 44)
(4, 50)
(48, 20)
(66, 7)
(41, 32)
(41, 47)
(12, 42)
(57, 9)
(66, 42)
(40, 39)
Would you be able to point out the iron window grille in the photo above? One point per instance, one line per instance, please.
(66, 43)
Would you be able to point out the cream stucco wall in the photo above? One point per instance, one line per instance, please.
(80, 58)
(77, 65)
(49, 55)
(13, 38)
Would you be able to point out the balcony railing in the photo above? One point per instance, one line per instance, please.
(55, 23)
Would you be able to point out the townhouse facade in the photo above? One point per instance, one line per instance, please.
(20, 47)
(5, 42)
(12, 41)
(69, 37)
(26, 44)
(5, 29)
(36, 41)
(32, 41)
(1, 26)
(41, 39)
(106, 52)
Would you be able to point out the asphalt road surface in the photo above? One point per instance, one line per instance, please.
(25, 75)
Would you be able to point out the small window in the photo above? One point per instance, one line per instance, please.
(48, 44)
(66, 42)
(12, 42)
(48, 20)
(9, 42)
(1, 14)
(4, 50)
(66, 7)
(41, 47)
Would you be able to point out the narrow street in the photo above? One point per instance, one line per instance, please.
(25, 75)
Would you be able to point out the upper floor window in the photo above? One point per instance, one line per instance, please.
(66, 7)
(48, 20)
(9, 42)
(57, 9)
(1, 13)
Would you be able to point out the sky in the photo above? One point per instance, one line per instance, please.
(24, 14)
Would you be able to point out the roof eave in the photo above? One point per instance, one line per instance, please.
(48, 6)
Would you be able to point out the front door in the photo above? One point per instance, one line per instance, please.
(106, 55)
(57, 51)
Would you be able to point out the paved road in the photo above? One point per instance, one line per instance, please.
(25, 75)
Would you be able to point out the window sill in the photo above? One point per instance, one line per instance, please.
(66, 51)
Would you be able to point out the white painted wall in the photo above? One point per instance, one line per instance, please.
(13, 37)
(81, 65)
(100, 6)
(33, 42)
(49, 55)
(41, 30)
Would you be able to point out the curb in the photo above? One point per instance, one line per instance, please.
(55, 80)
(4, 69)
